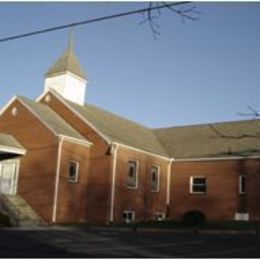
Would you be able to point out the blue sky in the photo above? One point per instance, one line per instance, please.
(194, 72)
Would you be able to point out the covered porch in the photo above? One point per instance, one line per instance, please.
(10, 152)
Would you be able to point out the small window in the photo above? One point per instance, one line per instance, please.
(14, 111)
(128, 216)
(159, 216)
(198, 185)
(131, 181)
(155, 178)
(242, 184)
(73, 169)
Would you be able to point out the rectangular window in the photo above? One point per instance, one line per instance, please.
(128, 216)
(198, 185)
(242, 184)
(131, 181)
(155, 173)
(73, 171)
(159, 216)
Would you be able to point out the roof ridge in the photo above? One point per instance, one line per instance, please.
(207, 124)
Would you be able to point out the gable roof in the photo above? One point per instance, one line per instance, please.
(229, 139)
(51, 119)
(115, 128)
(119, 129)
(216, 140)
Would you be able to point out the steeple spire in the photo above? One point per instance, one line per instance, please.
(71, 39)
(68, 62)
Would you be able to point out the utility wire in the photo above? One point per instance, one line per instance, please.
(99, 19)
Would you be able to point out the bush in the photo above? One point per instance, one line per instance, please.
(193, 218)
(4, 220)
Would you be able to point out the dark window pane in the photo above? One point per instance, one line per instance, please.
(131, 178)
(199, 181)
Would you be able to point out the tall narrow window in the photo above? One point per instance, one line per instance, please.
(242, 184)
(155, 180)
(198, 185)
(73, 171)
(131, 180)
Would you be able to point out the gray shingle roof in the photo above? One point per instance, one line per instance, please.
(120, 130)
(240, 138)
(67, 62)
(52, 119)
(9, 141)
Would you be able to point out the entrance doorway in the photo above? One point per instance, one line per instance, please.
(8, 177)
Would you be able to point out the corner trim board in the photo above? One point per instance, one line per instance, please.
(56, 188)
(112, 202)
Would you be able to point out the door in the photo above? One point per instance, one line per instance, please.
(8, 177)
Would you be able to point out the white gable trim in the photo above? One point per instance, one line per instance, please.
(9, 149)
(104, 137)
(141, 151)
(7, 105)
(75, 140)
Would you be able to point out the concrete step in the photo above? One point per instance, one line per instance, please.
(21, 212)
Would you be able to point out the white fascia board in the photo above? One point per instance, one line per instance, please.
(75, 140)
(38, 117)
(142, 151)
(104, 137)
(7, 105)
(218, 158)
(12, 150)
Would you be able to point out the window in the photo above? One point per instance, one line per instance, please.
(128, 216)
(242, 184)
(14, 111)
(73, 169)
(159, 216)
(131, 181)
(198, 185)
(155, 178)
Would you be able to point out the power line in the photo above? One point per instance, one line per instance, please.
(99, 19)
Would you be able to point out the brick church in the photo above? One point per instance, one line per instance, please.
(74, 162)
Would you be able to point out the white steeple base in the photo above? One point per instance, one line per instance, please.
(68, 86)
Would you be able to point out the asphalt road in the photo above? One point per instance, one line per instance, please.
(106, 243)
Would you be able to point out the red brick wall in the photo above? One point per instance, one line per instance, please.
(142, 200)
(71, 201)
(37, 168)
(222, 199)
(99, 181)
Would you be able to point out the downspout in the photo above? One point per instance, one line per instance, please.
(114, 148)
(168, 189)
(56, 188)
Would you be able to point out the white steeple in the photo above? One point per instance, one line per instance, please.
(66, 76)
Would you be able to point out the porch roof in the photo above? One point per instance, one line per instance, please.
(10, 147)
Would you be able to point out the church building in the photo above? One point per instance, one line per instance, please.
(74, 162)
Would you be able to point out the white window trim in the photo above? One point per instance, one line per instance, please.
(159, 174)
(133, 214)
(191, 184)
(240, 184)
(77, 171)
(137, 173)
